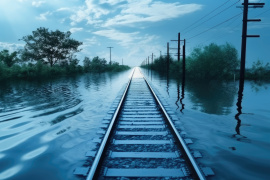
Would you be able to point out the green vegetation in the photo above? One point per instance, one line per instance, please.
(49, 47)
(100, 65)
(48, 54)
(211, 62)
(259, 71)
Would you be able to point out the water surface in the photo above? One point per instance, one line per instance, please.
(47, 127)
(231, 131)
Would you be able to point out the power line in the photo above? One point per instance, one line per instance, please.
(206, 15)
(222, 36)
(215, 26)
(263, 13)
(216, 14)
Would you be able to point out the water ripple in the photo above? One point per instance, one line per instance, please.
(10, 172)
(35, 153)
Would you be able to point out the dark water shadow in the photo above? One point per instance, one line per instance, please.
(168, 84)
(212, 97)
(239, 112)
(178, 94)
(182, 93)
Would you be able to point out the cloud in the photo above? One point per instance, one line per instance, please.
(73, 30)
(63, 9)
(90, 42)
(127, 40)
(37, 3)
(124, 39)
(43, 17)
(111, 2)
(90, 12)
(11, 46)
(148, 11)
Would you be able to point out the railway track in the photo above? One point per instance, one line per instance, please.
(141, 141)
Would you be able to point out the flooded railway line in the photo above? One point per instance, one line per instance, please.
(142, 142)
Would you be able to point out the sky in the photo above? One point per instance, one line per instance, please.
(137, 28)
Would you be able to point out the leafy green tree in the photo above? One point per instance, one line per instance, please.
(86, 64)
(160, 63)
(213, 62)
(7, 58)
(98, 64)
(259, 70)
(49, 46)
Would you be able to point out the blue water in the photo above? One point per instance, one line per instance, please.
(235, 148)
(47, 127)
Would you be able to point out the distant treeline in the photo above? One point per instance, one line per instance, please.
(48, 54)
(211, 62)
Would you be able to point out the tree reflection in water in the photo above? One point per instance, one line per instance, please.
(212, 97)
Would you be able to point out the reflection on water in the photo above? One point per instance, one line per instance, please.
(239, 107)
(44, 124)
(180, 100)
(178, 95)
(168, 84)
(183, 93)
(214, 97)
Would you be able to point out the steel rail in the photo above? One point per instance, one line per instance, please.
(179, 138)
(100, 152)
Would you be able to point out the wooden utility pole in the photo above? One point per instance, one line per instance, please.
(246, 5)
(110, 55)
(184, 57)
(178, 48)
(168, 57)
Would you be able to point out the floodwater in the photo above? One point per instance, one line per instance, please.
(231, 131)
(47, 127)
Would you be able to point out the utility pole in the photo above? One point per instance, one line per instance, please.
(245, 36)
(152, 58)
(184, 57)
(168, 57)
(110, 55)
(148, 61)
(178, 48)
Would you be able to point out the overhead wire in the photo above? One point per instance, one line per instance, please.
(263, 12)
(206, 15)
(215, 26)
(222, 35)
(216, 15)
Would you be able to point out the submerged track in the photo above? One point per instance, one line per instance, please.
(141, 141)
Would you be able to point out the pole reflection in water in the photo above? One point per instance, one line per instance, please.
(239, 108)
(183, 93)
(178, 95)
(168, 84)
(151, 74)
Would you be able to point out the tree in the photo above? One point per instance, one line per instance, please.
(260, 70)
(49, 46)
(98, 64)
(213, 61)
(8, 59)
(86, 63)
